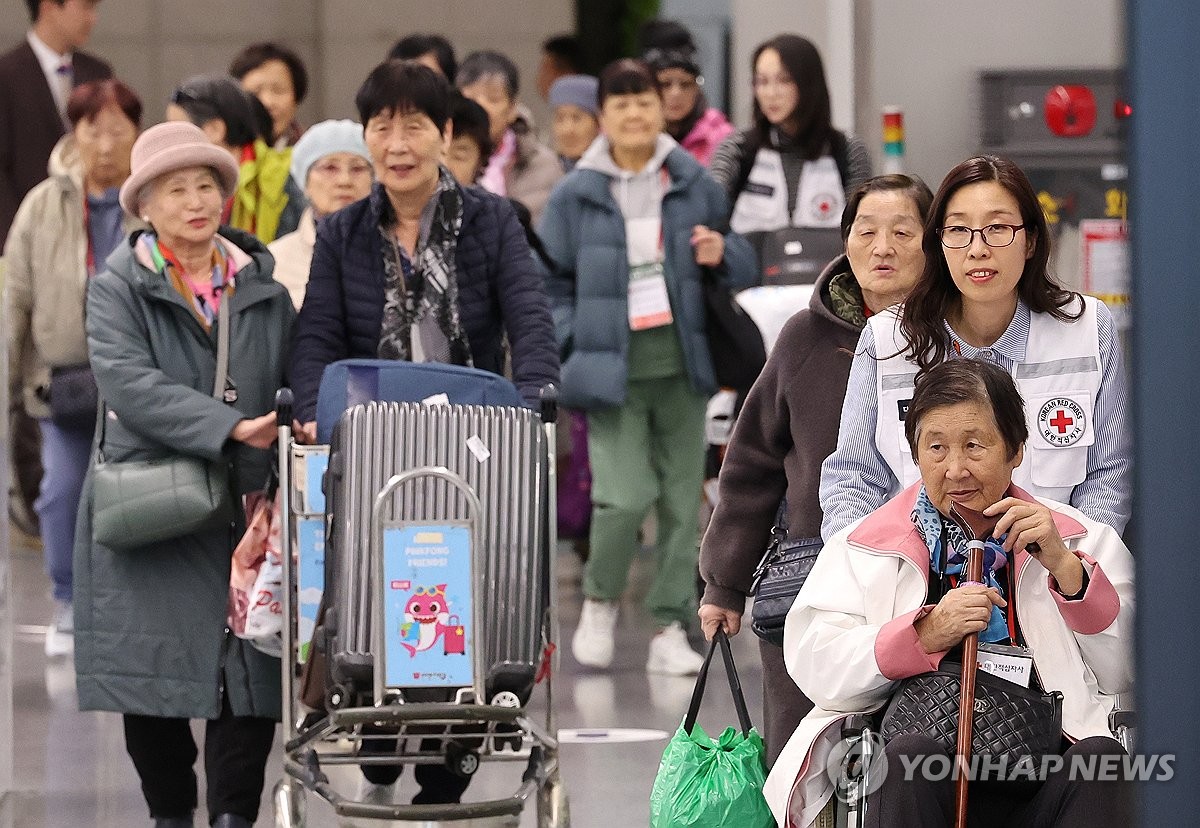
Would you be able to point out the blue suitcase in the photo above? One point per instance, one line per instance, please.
(352, 382)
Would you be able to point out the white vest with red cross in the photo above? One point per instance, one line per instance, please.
(762, 204)
(1059, 382)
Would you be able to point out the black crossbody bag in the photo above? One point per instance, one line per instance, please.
(778, 578)
(73, 398)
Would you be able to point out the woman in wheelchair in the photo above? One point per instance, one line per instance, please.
(884, 603)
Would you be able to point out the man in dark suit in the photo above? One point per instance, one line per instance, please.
(35, 81)
(32, 111)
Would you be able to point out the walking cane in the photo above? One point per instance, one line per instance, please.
(974, 525)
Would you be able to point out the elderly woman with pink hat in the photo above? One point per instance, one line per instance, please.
(151, 635)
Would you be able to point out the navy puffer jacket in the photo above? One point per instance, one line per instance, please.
(500, 291)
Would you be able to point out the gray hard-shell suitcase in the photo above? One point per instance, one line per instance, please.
(501, 452)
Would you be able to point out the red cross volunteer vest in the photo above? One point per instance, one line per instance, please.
(1058, 381)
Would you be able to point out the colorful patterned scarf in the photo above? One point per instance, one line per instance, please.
(204, 295)
(934, 528)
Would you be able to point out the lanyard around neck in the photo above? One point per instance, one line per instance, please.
(87, 234)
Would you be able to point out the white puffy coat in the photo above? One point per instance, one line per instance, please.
(849, 638)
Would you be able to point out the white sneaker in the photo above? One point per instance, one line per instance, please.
(672, 655)
(593, 641)
(60, 636)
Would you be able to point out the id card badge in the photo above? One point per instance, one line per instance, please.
(1013, 664)
(649, 304)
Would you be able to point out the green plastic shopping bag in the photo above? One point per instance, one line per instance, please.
(712, 783)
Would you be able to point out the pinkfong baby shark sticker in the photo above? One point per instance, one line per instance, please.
(428, 639)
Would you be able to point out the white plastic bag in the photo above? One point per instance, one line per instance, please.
(256, 581)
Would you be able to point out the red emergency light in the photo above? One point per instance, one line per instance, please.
(1070, 110)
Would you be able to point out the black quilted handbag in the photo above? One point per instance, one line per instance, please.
(1011, 721)
(74, 398)
(779, 576)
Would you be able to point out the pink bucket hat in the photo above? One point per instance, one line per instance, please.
(172, 146)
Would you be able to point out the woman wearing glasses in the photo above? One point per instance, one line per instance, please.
(332, 164)
(986, 294)
(670, 50)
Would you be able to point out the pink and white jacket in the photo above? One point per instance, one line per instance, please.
(708, 133)
(849, 638)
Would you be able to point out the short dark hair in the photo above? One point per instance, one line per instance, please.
(89, 98)
(665, 34)
(565, 49)
(470, 120)
(404, 86)
(627, 76)
(208, 98)
(969, 381)
(413, 46)
(667, 44)
(935, 292)
(812, 116)
(35, 7)
(910, 185)
(481, 64)
(256, 54)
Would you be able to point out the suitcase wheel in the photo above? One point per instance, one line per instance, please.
(461, 761)
(338, 695)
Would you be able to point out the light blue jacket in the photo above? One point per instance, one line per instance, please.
(583, 230)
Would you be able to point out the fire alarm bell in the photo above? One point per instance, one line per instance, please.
(1070, 111)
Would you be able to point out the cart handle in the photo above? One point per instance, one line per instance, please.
(548, 398)
(284, 402)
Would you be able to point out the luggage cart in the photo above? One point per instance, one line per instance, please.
(481, 477)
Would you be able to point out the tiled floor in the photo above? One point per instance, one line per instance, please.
(71, 768)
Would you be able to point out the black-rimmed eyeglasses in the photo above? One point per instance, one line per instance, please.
(957, 236)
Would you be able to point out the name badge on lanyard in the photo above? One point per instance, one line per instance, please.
(1013, 664)
(649, 304)
(649, 301)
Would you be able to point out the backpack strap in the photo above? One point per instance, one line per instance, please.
(839, 147)
(750, 146)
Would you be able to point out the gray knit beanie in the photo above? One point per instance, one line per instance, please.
(576, 90)
(324, 139)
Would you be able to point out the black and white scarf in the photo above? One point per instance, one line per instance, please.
(421, 296)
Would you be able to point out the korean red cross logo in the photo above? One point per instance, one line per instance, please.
(1062, 422)
(825, 205)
